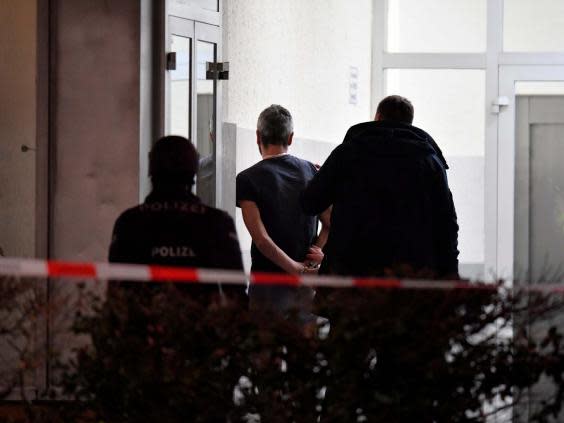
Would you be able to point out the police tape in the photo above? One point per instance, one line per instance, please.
(33, 268)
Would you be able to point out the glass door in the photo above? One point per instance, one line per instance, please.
(192, 98)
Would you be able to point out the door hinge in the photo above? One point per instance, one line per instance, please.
(217, 71)
(171, 61)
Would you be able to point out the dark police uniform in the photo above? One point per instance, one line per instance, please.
(176, 229)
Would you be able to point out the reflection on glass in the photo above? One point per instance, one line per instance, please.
(536, 26)
(205, 125)
(437, 26)
(449, 105)
(180, 88)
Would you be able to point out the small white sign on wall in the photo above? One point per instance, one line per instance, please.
(353, 85)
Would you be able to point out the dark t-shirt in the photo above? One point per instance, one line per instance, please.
(275, 185)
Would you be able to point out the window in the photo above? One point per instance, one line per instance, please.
(449, 105)
(534, 26)
(436, 26)
(180, 88)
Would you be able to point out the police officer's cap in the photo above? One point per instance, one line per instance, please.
(173, 158)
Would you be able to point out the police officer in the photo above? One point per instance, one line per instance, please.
(172, 227)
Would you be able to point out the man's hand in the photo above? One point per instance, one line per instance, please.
(297, 268)
(315, 254)
(307, 268)
(308, 271)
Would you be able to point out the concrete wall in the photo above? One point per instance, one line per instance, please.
(95, 111)
(96, 54)
(18, 72)
(299, 54)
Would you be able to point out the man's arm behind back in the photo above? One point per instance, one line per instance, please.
(263, 241)
(319, 194)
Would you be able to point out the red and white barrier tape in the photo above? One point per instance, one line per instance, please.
(31, 268)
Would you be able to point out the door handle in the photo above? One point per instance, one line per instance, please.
(217, 71)
(171, 61)
(498, 103)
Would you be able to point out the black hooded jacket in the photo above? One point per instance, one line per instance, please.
(392, 208)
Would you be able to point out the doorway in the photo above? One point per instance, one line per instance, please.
(539, 188)
(530, 194)
(539, 204)
(192, 97)
(530, 238)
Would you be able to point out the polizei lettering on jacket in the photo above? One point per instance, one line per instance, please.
(182, 206)
(172, 251)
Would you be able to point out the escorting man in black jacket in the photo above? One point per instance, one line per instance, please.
(172, 227)
(393, 212)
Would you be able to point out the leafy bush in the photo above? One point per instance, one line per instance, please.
(178, 353)
(22, 306)
(173, 354)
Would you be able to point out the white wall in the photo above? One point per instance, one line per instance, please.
(18, 72)
(298, 54)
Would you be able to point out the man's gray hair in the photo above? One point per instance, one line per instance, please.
(275, 125)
